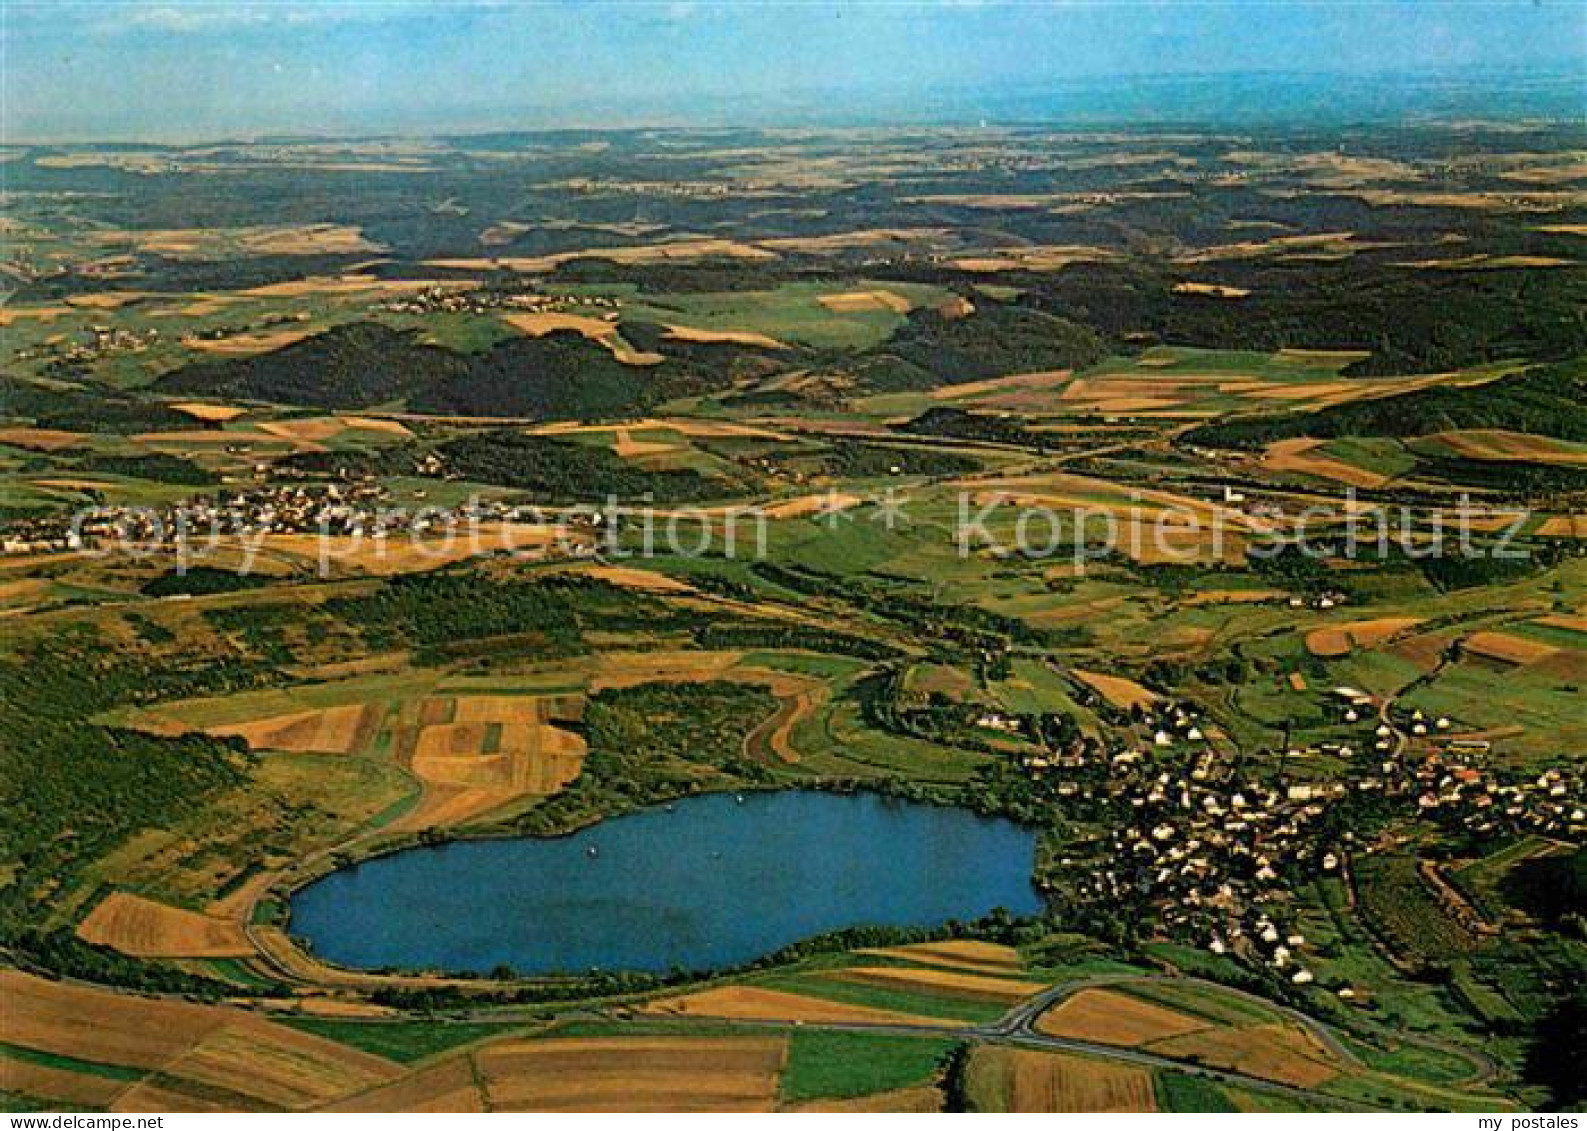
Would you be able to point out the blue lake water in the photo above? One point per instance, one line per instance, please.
(713, 882)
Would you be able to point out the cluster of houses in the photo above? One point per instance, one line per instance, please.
(605, 186)
(102, 341)
(1190, 838)
(1451, 787)
(282, 508)
(456, 300)
(352, 508)
(1207, 847)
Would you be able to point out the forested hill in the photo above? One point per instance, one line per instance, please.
(364, 364)
(1548, 401)
(932, 348)
(351, 366)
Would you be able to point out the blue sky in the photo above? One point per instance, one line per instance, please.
(204, 68)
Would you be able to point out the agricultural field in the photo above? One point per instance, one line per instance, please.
(1183, 528)
(1018, 1080)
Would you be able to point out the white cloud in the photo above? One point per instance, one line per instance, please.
(183, 18)
(180, 19)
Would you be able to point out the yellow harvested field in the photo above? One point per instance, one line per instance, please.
(670, 251)
(242, 344)
(71, 484)
(272, 1066)
(1165, 542)
(922, 1100)
(1488, 263)
(624, 445)
(851, 240)
(1546, 174)
(948, 983)
(309, 429)
(1279, 1052)
(447, 806)
(144, 928)
(477, 753)
(1037, 257)
(1120, 692)
(405, 554)
(1100, 394)
(1492, 523)
(1300, 455)
(211, 413)
(41, 439)
(1341, 639)
(540, 323)
(69, 1090)
(1512, 201)
(1319, 393)
(1112, 1018)
(334, 730)
(633, 1074)
(627, 669)
(967, 954)
(1328, 643)
(533, 758)
(856, 302)
(449, 1086)
(106, 300)
(443, 743)
(310, 239)
(988, 391)
(1098, 497)
(203, 308)
(520, 709)
(755, 1003)
(1572, 623)
(729, 337)
(376, 424)
(1231, 597)
(1021, 1080)
(1210, 290)
(1251, 249)
(149, 1098)
(205, 1055)
(297, 239)
(806, 505)
(1493, 444)
(98, 1025)
(354, 284)
(598, 330)
(1507, 649)
(10, 314)
(23, 590)
(717, 428)
(629, 577)
(1564, 526)
(1340, 358)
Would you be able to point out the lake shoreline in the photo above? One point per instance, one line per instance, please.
(596, 934)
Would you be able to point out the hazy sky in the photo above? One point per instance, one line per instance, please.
(202, 68)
